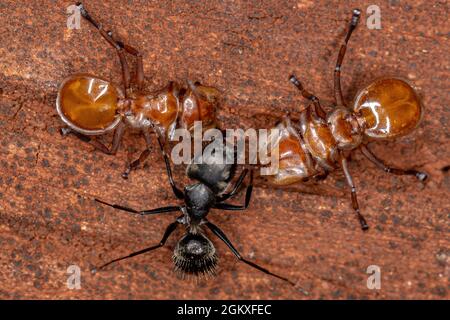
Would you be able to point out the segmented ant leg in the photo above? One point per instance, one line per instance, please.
(117, 139)
(319, 110)
(355, 204)
(169, 230)
(235, 189)
(421, 176)
(178, 193)
(321, 176)
(248, 196)
(139, 72)
(120, 47)
(143, 156)
(141, 212)
(337, 70)
(221, 235)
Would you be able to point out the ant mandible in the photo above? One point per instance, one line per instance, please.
(194, 253)
(91, 106)
(321, 142)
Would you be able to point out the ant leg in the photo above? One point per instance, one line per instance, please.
(141, 212)
(421, 176)
(118, 135)
(139, 73)
(230, 194)
(248, 196)
(143, 156)
(120, 48)
(169, 230)
(321, 176)
(178, 193)
(355, 204)
(319, 110)
(219, 233)
(337, 70)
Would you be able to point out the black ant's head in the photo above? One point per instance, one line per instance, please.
(195, 255)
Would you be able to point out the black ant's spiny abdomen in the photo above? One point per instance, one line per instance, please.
(195, 255)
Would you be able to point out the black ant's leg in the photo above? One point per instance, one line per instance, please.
(235, 189)
(337, 70)
(248, 196)
(355, 204)
(178, 193)
(219, 233)
(141, 212)
(117, 139)
(318, 108)
(143, 156)
(120, 47)
(421, 176)
(169, 230)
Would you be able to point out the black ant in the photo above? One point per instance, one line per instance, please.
(194, 253)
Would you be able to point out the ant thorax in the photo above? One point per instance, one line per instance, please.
(345, 128)
(199, 199)
(159, 110)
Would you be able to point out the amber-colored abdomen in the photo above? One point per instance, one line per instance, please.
(389, 107)
(88, 102)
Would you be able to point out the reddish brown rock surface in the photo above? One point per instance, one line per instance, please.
(49, 221)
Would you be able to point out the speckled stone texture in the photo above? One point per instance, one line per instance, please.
(247, 49)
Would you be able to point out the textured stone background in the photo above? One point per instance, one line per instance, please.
(48, 219)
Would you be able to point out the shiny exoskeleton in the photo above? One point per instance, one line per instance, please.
(91, 106)
(194, 253)
(320, 142)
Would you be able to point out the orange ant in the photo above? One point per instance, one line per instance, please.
(92, 106)
(321, 142)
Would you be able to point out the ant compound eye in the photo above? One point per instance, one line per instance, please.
(195, 255)
(88, 104)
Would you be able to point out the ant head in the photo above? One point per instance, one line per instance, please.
(345, 128)
(199, 198)
(88, 104)
(388, 108)
(195, 255)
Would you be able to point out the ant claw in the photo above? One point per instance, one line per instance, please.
(94, 270)
(306, 293)
(294, 80)
(65, 131)
(362, 221)
(421, 176)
